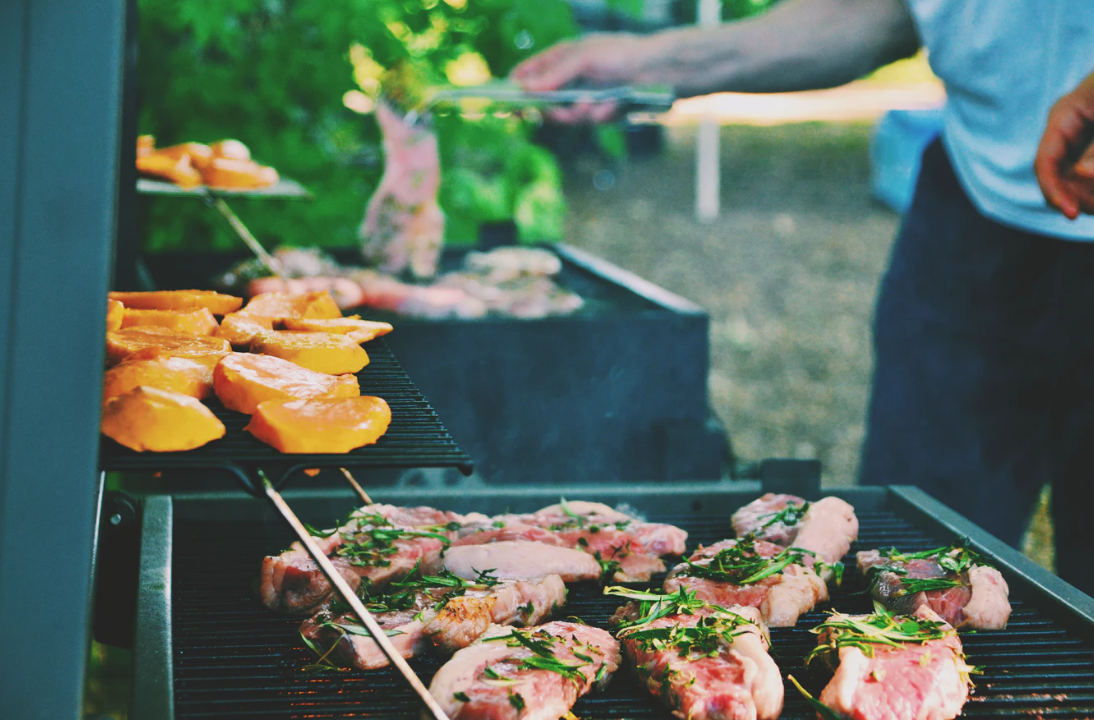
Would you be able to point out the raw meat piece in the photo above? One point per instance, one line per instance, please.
(630, 547)
(378, 544)
(404, 227)
(708, 664)
(521, 560)
(923, 679)
(953, 581)
(442, 611)
(826, 527)
(785, 586)
(534, 674)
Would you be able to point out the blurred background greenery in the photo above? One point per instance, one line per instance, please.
(296, 81)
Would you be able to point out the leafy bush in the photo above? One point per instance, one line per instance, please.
(283, 75)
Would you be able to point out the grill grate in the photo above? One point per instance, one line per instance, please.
(233, 659)
(414, 439)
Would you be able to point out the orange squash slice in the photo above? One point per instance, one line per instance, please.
(280, 305)
(115, 313)
(320, 425)
(147, 418)
(356, 329)
(123, 343)
(242, 381)
(240, 328)
(318, 351)
(181, 375)
(189, 322)
(214, 302)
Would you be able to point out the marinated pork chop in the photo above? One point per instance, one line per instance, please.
(431, 611)
(703, 662)
(780, 582)
(921, 674)
(534, 674)
(377, 544)
(521, 560)
(826, 527)
(952, 581)
(629, 547)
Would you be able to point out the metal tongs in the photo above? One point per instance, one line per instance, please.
(630, 99)
(348, 595)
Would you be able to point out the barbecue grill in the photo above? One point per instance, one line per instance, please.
(206, 648)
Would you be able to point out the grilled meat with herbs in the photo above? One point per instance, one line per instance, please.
(533, 674)
(703, 661)
(891, 667)
(826, 527)
(780, 582)
(423, 611)
(954, 581)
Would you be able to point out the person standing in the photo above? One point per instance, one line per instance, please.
(984, 326)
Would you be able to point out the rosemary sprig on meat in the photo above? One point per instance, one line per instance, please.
(654, 606)
(741, 564)
(542, 658)
(865, 633)
(706, 638)
(789, 515)
(956, 559)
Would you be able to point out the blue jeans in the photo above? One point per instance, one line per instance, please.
(983, 388)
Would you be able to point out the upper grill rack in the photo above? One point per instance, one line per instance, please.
(416, 438)
(234, 659)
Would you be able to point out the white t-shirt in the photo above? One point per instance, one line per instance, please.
(1004, 64)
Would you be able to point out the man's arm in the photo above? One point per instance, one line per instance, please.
(798, 45)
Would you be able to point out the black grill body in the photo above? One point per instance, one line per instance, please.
(206, 648)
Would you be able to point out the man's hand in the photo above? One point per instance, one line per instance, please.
(597, 60)
(1065, 157)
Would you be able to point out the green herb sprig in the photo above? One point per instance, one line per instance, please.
(789, 515)
(866, 633)
(741, 564)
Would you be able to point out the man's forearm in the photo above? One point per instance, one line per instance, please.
(799, 45)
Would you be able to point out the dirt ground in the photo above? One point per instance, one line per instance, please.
(788, 273)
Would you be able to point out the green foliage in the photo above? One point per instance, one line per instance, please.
(275, 75)
(687, 12)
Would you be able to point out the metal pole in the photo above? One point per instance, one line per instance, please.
(351, 598)
(707, 146)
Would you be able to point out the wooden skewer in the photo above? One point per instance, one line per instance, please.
(356, 486)
(339, 583)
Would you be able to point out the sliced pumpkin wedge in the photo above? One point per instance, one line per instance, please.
(149, 419)
(243, 380)
(319, 351)
(356, 329)
(191, 322)
(214, 302)
(120, 344)
(320, 425)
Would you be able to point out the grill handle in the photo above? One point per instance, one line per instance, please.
(358, 607)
